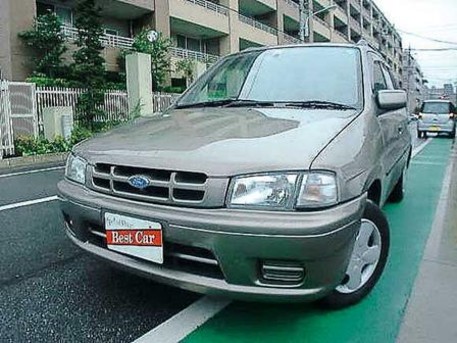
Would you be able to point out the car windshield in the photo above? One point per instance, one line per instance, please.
(299, 75)
(436, 107)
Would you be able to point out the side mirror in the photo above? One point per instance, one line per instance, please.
(391, 99)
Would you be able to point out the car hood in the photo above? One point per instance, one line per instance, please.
(220, 141)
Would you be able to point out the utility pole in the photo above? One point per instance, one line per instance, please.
(303, 7)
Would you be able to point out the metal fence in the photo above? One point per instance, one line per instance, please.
(115, 106)
(22, 106)
(160, 101)
(6, 125)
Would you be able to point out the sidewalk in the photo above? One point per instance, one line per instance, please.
(431, 314)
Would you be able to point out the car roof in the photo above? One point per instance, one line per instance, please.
(438, 100)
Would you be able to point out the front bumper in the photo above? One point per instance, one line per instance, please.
(240, 242)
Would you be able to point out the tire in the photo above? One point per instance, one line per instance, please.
(347, 294)
(419, 134)
(424, 133)
(398, 193)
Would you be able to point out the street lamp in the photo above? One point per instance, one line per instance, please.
(304, 21)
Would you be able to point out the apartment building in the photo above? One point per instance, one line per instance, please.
(205, 30)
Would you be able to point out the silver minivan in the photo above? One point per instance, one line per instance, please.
(264, 181)
(437, 116)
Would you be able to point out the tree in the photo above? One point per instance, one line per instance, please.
(89, 68)
(160, 58)
(47, 39)
(187, 67)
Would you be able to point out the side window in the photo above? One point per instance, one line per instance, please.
(379, 80)
(389, 81)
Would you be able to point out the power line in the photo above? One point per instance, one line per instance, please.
(427, 38)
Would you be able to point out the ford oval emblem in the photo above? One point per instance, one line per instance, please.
(139, 181)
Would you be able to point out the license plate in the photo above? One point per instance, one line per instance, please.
(134, 237)
(434, 128)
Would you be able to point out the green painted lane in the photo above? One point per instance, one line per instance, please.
(378, 317)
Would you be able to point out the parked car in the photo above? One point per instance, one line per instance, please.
(264, 181)
(436, 116)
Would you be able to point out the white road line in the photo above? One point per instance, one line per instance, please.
(434, 239)
(188, 320)
(429, 163)
(32, 171)
(28, 203)
(420, 147)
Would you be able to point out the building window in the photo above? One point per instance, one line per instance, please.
(65, 14)
(111, 32)
(190, 43)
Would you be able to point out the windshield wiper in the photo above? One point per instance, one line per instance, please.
(215, 103)
(228, 103)
(320, 104)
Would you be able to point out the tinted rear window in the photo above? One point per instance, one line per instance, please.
(436, 107)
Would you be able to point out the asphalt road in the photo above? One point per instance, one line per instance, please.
(50, 291)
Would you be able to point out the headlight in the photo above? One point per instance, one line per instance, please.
(318, 190)
(283, 191)
(76, 169)
(270, 190)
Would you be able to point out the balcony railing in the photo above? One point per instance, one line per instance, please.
(211, 6)
(290, 40)
(291, 3)
(355, 24)
(323, 22)
(341, 34)
(257, 24)
(107, 40)
(194, 55)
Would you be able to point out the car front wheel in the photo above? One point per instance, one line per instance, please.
(367, 260)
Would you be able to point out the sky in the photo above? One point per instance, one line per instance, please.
(435, 19)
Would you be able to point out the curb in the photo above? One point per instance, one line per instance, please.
(34, 161)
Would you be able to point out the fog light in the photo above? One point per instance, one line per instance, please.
(283, 272)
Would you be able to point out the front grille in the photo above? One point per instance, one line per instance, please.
(185, 258)
(168, 187)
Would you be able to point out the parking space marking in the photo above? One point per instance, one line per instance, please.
(28, 203)
(31, 171)
(182, 324)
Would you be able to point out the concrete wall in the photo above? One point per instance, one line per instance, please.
(22, 13)
(5, 48)
(15, 16)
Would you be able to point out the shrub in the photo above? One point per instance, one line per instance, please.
(27, 146)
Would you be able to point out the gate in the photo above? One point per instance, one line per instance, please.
(6, 125)
(24, 115)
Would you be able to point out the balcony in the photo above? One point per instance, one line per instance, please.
(289, 39)
(292, 4)
(213, 19)
(356, 5)
(194, 55)
(210, 6)
(341, 35)
(107, 40)
(355, 24)
(257, 24)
